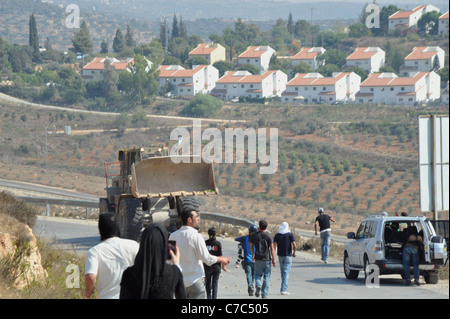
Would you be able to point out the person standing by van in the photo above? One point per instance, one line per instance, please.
(323, 224)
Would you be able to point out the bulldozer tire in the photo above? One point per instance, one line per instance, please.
(188, 202)
(130, 217)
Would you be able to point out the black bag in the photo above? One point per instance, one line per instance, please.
(262, 247)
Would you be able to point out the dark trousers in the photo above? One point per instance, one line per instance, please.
(212, 281)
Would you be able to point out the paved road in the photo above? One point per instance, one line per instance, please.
(309, 278)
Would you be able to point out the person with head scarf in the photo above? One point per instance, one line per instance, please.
(106, 261)
(284, 243)
(212, 272)
(152, 276)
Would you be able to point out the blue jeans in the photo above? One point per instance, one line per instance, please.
(263, 268)
(410, 254)
(249, 269)
(285, 267)
(325, 238)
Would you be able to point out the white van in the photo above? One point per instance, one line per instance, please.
(379, 241)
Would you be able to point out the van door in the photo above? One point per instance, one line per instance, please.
(359, 245)
(427, 234)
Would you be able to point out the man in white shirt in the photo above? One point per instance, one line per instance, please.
(106, 261)
(193, 253)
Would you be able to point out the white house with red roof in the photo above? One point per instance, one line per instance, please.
(388, 88)
(243, 84)
(407, 19)
(179, 81)
(371, 59)
(423, 59)
(258, 56)
(94, 69)
(443, 24)
(315, 88)
(211, 52)
(309, 57)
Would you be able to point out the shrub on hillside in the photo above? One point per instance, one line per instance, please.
(18, 209)
(202, 106)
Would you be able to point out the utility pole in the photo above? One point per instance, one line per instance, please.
(46, 149)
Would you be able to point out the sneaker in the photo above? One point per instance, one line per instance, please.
(258, 291)
(251, 291)
(417, 282)
(285, 293)
(408, 283)
(326, 261)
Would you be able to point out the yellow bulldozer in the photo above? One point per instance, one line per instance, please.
(149, 186)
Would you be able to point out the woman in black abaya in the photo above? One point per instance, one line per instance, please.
(151, 276)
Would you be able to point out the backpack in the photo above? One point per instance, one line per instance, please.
(262, 247)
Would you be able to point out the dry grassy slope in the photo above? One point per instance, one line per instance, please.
(76, 162)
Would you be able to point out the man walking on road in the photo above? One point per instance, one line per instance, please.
(323, 222)
(194, 253)
(263, 255)
(284, 242)
(106, 261)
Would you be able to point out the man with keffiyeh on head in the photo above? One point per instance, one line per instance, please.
(284, 243)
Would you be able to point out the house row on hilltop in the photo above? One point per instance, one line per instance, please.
(409, 18)
(418, 84)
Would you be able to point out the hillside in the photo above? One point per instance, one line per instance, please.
(354, 160)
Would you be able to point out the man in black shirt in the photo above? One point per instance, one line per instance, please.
(323, 222)
(263, 255)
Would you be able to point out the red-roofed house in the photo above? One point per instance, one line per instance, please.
(308, 56)
(407, 19)
(94, 69)
(258, 56)
(242, 83)
(211, 52)
(422, 59)
(443, 24)
(314, 88)
(371, 59)
(179, 81)
(388, 88)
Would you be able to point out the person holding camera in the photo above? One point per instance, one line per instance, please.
(151, 276)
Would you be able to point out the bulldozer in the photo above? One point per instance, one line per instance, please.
(151, 187)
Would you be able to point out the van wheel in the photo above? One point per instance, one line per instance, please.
(349, 273)
(366, 267)
(431, 277)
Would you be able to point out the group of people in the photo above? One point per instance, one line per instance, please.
(259, 257)
(151, 269)
(125, 269)
(259, 253)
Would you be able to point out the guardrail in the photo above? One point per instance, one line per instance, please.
(221, 218)
(217, 217)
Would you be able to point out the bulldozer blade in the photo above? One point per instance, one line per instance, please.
(161, 177)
